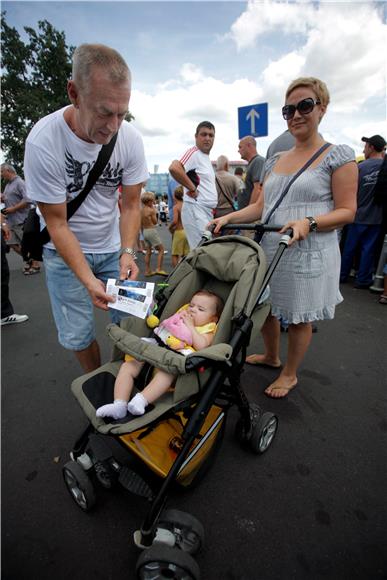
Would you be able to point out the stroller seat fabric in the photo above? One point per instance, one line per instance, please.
(232, 267)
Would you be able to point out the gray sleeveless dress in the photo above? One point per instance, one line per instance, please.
(305, 285)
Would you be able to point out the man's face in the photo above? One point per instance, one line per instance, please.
(5, 174)
(205, 139)
(243, 149)
(101, 107)
(367, 150)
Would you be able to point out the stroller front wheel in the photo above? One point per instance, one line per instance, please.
(162, 562)
(188, 531)
(263, 433)
(79, 485)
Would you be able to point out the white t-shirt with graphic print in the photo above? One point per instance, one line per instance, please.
(56, 167)
(207, 194)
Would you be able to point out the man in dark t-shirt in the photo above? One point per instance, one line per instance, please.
(366, 228)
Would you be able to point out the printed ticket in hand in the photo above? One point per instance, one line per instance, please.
(132, 296)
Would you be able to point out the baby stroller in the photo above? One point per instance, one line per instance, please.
(178, 437)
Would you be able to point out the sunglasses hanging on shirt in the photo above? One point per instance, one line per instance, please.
(304, 107)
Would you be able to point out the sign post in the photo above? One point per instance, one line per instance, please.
(253, 120)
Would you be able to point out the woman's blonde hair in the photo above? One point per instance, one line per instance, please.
(147, 196)
(317, 86)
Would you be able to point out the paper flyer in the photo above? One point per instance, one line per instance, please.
(132, 296)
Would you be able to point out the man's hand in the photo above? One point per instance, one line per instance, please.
(98, 295)
(6, 231)
(8, 210)
(192, 193)
(128, 267)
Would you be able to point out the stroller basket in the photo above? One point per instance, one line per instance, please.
(159, 446)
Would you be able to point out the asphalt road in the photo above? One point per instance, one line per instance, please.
(314, 506)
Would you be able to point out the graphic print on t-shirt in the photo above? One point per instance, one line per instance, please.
(77, 170)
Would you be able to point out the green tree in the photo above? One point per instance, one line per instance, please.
(34, 80)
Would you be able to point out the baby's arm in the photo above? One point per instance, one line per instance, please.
(199, 341)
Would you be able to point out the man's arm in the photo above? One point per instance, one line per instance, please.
(176, 169)
(16, 207)
(68, 247)
(130, 223)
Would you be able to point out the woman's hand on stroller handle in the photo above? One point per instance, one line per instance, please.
(216, 224)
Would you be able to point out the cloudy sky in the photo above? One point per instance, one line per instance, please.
(202, 60)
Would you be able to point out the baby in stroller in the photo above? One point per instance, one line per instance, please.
(192, 328)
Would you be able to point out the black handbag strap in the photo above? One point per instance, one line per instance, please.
(99, 165)
(285, 191)
(225, 194)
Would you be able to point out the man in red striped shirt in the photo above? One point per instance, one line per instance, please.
(196, 174)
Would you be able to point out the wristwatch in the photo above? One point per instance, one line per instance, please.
(312, 223)
(129, 251)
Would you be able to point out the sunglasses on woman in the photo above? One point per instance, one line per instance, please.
(304, 107)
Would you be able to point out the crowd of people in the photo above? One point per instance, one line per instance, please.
(100, 240)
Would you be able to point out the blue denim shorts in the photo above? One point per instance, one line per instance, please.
(71, 304)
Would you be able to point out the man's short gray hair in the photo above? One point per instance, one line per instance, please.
(8, 167)
(87, 56)
(221, 162)
(249, 140)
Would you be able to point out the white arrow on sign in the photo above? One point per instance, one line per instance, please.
(252, 115)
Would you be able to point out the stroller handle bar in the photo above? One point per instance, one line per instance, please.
(261, 228)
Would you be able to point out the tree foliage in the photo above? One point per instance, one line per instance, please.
(34, 80)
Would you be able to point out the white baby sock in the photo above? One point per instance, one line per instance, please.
(116, 410)
(137, 405)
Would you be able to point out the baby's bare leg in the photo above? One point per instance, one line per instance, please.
(122, 390)
(157, 387)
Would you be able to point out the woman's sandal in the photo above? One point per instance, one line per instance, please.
(383, 299)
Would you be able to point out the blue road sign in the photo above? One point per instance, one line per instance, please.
(253, 120)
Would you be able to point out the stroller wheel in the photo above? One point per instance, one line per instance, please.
(244, 429)
(188, 531)
(79, 485)
(263, 433)
(161, 562)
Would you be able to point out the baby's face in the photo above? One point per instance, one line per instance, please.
(203, 309)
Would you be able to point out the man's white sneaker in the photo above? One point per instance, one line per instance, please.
(14, 319)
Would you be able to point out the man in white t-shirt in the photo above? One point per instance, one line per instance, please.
(96, 243)
(199, 198)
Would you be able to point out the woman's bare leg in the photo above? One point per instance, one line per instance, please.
(271, 333)
(299, 337)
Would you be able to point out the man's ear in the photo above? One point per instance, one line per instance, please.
(73, 93)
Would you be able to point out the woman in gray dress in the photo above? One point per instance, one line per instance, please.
(305, 285)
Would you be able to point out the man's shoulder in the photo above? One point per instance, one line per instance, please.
(189, 153)
(128, 129)
(45, 127)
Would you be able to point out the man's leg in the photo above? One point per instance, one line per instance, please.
(6, 305)
(367, 256)
(195, 219)
(73, 311)
(90, 357)
(354, 233)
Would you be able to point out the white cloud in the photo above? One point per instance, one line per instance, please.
(168, 118)
(342, 43)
